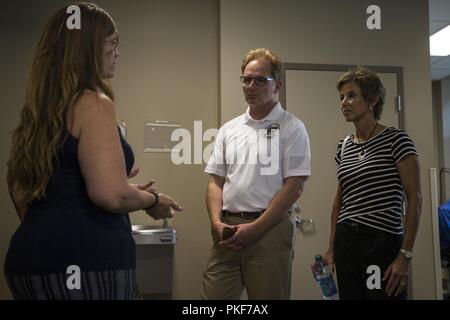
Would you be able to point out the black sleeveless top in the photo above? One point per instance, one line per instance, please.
(66, 228)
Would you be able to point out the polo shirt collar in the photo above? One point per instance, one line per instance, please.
(274, 115)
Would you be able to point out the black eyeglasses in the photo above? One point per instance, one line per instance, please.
(114, 43)
(260, 81)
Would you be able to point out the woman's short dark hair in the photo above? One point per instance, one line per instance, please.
(370, 85)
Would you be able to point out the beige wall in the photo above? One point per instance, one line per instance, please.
(334, 32)
(167, 71)
(20, 28)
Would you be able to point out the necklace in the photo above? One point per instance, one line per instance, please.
(362, 154)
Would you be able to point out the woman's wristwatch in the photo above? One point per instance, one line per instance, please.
(406, 253)
(154, 204)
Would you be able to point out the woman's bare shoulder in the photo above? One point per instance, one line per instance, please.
(91, 105)
(94, 99)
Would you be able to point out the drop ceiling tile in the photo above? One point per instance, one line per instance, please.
(436, 25)
(437, 74)
(442, 63)
(439, 9)
(434, 59)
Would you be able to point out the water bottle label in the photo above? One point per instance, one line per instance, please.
(327, 285)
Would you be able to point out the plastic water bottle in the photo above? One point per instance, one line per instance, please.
(325, 280)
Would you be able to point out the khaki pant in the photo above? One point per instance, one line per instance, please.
(263, 269)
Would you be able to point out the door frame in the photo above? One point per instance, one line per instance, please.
(401, 124)
(344, 68)
(398, 71)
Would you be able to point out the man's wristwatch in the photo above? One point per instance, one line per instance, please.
(406, 253)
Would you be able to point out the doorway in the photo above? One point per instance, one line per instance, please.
(310, 94)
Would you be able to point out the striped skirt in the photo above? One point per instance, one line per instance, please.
(92, 285)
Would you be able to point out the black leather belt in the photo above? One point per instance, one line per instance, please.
(242, 214)
(356, 227)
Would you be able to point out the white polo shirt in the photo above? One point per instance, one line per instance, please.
(255, 156)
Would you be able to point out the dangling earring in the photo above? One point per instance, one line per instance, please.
(370, 108)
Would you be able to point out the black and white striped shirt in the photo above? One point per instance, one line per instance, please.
(372, 193)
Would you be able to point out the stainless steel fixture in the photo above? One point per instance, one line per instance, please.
(154, 255)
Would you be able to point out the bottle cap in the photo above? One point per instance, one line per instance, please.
(318, 257)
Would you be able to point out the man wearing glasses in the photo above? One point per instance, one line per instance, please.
(249, 207)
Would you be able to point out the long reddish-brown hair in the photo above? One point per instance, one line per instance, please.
(66, 62)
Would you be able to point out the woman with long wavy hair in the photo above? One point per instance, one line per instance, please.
(68, 171)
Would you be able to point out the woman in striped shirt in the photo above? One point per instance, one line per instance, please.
(377, 169)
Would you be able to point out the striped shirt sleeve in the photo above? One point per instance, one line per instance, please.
(402, 147)
(337, 156)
